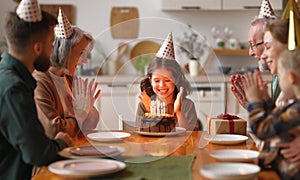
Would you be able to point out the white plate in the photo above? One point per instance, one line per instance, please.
(226, 139)
(67, 154)
(107, 136)
(232, 171)
(81, 168)
(179, 130)
(235, 155)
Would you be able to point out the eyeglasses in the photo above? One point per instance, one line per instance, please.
(254, 46)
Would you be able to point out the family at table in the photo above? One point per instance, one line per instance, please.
(44, 106)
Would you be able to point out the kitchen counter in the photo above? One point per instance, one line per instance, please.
(135, 79)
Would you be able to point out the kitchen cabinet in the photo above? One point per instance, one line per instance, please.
(246, 4)
(117, 99)
(191, 5)
(169, 5)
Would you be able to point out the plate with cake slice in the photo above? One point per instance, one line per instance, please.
(79, 152)
(178, 130)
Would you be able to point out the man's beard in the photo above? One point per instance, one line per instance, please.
(263, 66)
(42, 63)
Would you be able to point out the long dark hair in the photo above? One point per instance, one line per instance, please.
(174, 68)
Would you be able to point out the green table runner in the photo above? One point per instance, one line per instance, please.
(171, 167)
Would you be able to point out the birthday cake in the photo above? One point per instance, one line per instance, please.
(157, 120)
(163, 123)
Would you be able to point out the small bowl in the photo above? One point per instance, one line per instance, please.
(225, 69)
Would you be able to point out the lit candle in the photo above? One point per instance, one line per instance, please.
(158, 108)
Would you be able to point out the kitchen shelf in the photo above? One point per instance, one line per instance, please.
(231, 52)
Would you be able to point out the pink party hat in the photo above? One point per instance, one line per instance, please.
(29, 11)
(64, 28)
(167, 49)
(266, 9)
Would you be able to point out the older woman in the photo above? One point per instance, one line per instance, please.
(61, 107)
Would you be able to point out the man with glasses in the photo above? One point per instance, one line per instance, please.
(256, 48)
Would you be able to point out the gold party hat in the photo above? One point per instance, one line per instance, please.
(166, 51)
(29, 11)
(64, 28)
(291, 12)
(266, 9)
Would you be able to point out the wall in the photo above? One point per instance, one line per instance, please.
(94, 17)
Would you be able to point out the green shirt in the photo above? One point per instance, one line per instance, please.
(275, 87)
(23, 143)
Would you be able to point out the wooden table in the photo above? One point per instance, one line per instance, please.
(186, 143)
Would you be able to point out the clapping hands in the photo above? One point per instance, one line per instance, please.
(255, 88)
(84, 95)
(237, 89)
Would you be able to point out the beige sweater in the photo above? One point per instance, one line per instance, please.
(50, 109)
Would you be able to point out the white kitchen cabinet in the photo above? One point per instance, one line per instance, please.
(191, 4)
(249, 4)
(115, 100)
(169, 5)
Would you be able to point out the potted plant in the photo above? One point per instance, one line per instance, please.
(193, 47)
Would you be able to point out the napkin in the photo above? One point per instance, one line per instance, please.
(170, 167)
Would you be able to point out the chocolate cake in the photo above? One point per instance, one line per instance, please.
(163, 123)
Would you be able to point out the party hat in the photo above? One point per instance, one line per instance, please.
(29, 11)
(64, 28)
(291, 12)
(266, 9)
(166, 51)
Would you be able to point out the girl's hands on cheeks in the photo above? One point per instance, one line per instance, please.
(145, 99)
(177, 103)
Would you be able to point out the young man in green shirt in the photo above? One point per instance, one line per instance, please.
(23, 143)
